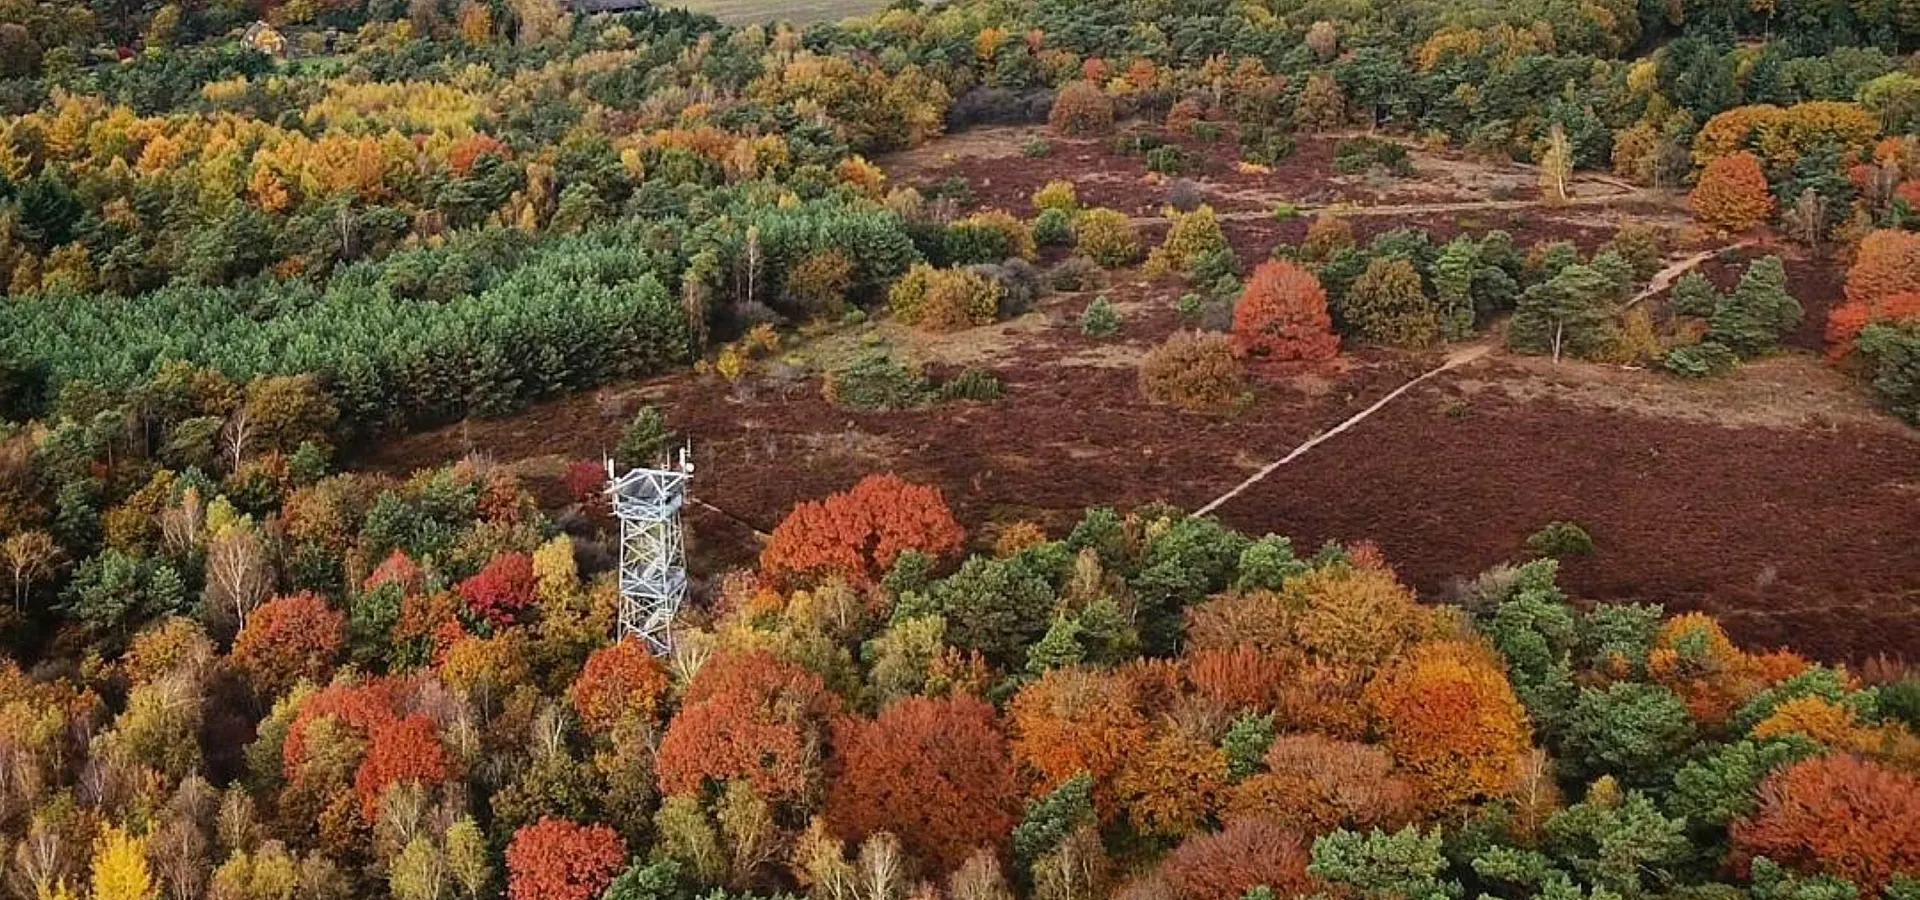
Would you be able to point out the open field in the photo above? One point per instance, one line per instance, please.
(741, 12)
(1776, 498)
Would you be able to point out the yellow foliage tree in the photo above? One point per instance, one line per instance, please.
(120, 867)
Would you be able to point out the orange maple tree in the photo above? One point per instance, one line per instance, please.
(936, 773)
(1732, 193)
(617, 682)
(1247, 853)
(407, 749)
(1072, 721)
(556, 859)
(399, 569)
(858, 534)
(1451, 721)
(750, 716)
(1836, 815)
(287, 639)
(1282, 315)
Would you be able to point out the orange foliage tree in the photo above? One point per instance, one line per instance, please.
(1282, 314)
(1732, 193)
(933, 772)
(287, 639)
(1846, 321)
(1323, 784)
(1451, 721)
(555, 859)
(618, 682)
(1837, 815)
(1073, 721)
(749, 716)
(1241, 678)
(858, 534)
(1172, 783)
(1246, 854)
(1882, 285)
(400, 751)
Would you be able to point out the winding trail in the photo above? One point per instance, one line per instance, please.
(1665, 278)
(1456, 359)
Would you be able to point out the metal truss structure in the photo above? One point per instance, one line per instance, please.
(653, 567)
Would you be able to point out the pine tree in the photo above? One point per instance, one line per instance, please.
(1453, 274)
(1752, 318)
(1568, 314)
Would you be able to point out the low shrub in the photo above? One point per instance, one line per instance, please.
(1081, 110)
(1107, 237)
(1355, 156)
(1265, 146)
(1194, 371)
(1189, 305)
(1052, 228)
(1169, 160)
(944, 299)
(1075, 273)
(1100, 320)
(1184, 116)
(1703, 360)
(1185, 195)
(972, 384)
(1192, 237)
(1135, 143)
(876, 382)
(1059, 195)
(1019, 282)
(1558, 539)
(1036, 148)
(987, 236)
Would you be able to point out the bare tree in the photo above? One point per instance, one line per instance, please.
(30, 557)
(238, 575)
(237, 435)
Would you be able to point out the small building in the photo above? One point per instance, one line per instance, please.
(265, 38)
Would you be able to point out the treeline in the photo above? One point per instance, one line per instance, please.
(351, 686)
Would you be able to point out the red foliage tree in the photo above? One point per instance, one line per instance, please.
(1836, 815)
(617, 682)
(398, 568)
(858, 534)
(287, 639)
(362, 706)
(1847, 320)
(403, 750)
(587, 485)
(555, 859)
(466, 151)
(934, 773)
(749, 716)
(1732, 193)
(1282, 314)
(1246, 854)
(501, 590)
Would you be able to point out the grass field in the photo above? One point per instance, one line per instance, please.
(737, 12)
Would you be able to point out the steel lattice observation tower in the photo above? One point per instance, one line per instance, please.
(653, 562)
